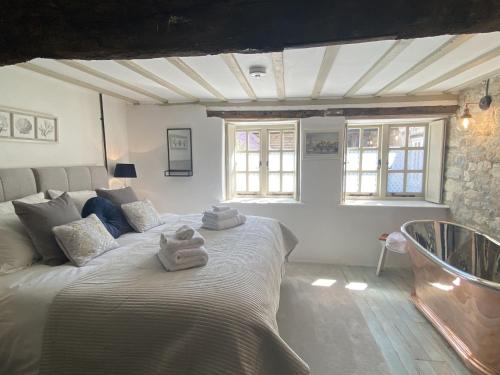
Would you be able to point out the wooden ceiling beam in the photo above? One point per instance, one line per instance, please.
(474, 81)
(235, 68)
(279, 74)
(324, 70)
(74, 81)
(434, 56)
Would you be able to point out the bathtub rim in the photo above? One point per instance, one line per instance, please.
(447, 267)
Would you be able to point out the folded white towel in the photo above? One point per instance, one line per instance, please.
(220, 208)
(185, 232)
(170, 243)
(183, 259)
(223, 224)
(221, 215)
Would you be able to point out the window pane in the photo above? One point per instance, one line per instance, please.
(396, 160)
(274, 161)
(415, 160)
(397, 136)
(352, 160)
(253, 182)
(352, 182)
(395, 182)
(289, 161)
(241, 141)
(370, 138)
(369, 182)
(353, 137)
(241, 182)
(253, 161)
(288, 140)
(241, 161)
(370, 160)
(414, 182)
(274, 182)
(288, 185)
(416, 136)
(274, 140)
(254, 141)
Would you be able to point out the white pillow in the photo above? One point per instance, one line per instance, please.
(141, 215)
(8, 208)
(78, 197)
(84, 239)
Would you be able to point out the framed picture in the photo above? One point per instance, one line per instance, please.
(5, 128)
(46, 129)
(23, 126)
(179, 152)
(322, 144)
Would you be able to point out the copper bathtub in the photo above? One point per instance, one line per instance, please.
(457, 287)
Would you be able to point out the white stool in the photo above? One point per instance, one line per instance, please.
(394, 242)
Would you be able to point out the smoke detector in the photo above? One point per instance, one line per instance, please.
(257, 71)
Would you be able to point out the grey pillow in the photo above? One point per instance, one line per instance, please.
(84, 239)
(40, 218)
(118, 196)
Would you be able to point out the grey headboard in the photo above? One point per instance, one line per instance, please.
(19, 182)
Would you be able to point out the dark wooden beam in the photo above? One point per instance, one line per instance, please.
(124, 29)
(355, 112)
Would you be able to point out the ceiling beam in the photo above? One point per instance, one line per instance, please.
(438, 53)
(326, 65)
(68, 79)
(373, 112)
(146, 29)
(193, 74)
(393, 52)
(93, 72)
(279, 74)
(485, 57)
(153, 77)
(474, 81)
(235, 68)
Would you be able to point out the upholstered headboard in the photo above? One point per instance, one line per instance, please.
(19, 182)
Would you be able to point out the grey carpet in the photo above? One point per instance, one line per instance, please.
(324, 325)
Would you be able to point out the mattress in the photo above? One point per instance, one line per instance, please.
(216, 319)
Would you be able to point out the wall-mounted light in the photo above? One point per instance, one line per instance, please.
(466, 120)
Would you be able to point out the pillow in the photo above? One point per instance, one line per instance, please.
(40, 218)
(118, 196)
(79, 197)
(111, 216)
(8, 208)
(84, 239)
(141, 215)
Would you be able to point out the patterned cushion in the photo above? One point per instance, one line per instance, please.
(84, 239)
(141, 215)
(111, 216)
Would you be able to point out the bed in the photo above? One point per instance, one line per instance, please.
(124, 314)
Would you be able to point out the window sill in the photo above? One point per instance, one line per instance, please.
(263, 200)
(392, 203)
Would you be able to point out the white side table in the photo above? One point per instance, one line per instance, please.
(394, 242)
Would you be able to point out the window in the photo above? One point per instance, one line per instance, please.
(261, 159)
(383, 161)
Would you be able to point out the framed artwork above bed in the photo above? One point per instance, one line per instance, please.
(24, 125)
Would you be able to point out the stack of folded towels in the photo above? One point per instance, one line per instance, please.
(222, 217)
(182, 250)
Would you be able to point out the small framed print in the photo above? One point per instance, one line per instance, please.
(5, 128)
(23, 126)
(324, 144)
(46, 129)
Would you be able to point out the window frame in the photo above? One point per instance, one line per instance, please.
(264, 127)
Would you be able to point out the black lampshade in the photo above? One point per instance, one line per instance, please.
(125, 171)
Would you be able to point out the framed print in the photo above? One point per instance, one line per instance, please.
(46, 129)
(23, 126)
(5, 128)
(322, 144)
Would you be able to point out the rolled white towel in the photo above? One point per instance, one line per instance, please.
(170, 243)
(217, 208)
(221, 215)
(183, 259)
(184, 232)
(223, 224)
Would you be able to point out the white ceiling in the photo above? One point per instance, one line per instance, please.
(441, 64)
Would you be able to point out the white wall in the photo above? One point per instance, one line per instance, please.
(328, 232)
(78, 113)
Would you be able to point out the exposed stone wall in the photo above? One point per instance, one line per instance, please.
(472, 171)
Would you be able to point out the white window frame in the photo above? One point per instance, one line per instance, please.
(264, 127)
(383, 170)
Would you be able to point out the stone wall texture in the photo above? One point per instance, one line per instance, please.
(472, 170)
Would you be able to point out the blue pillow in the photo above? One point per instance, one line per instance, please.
(111, 216)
